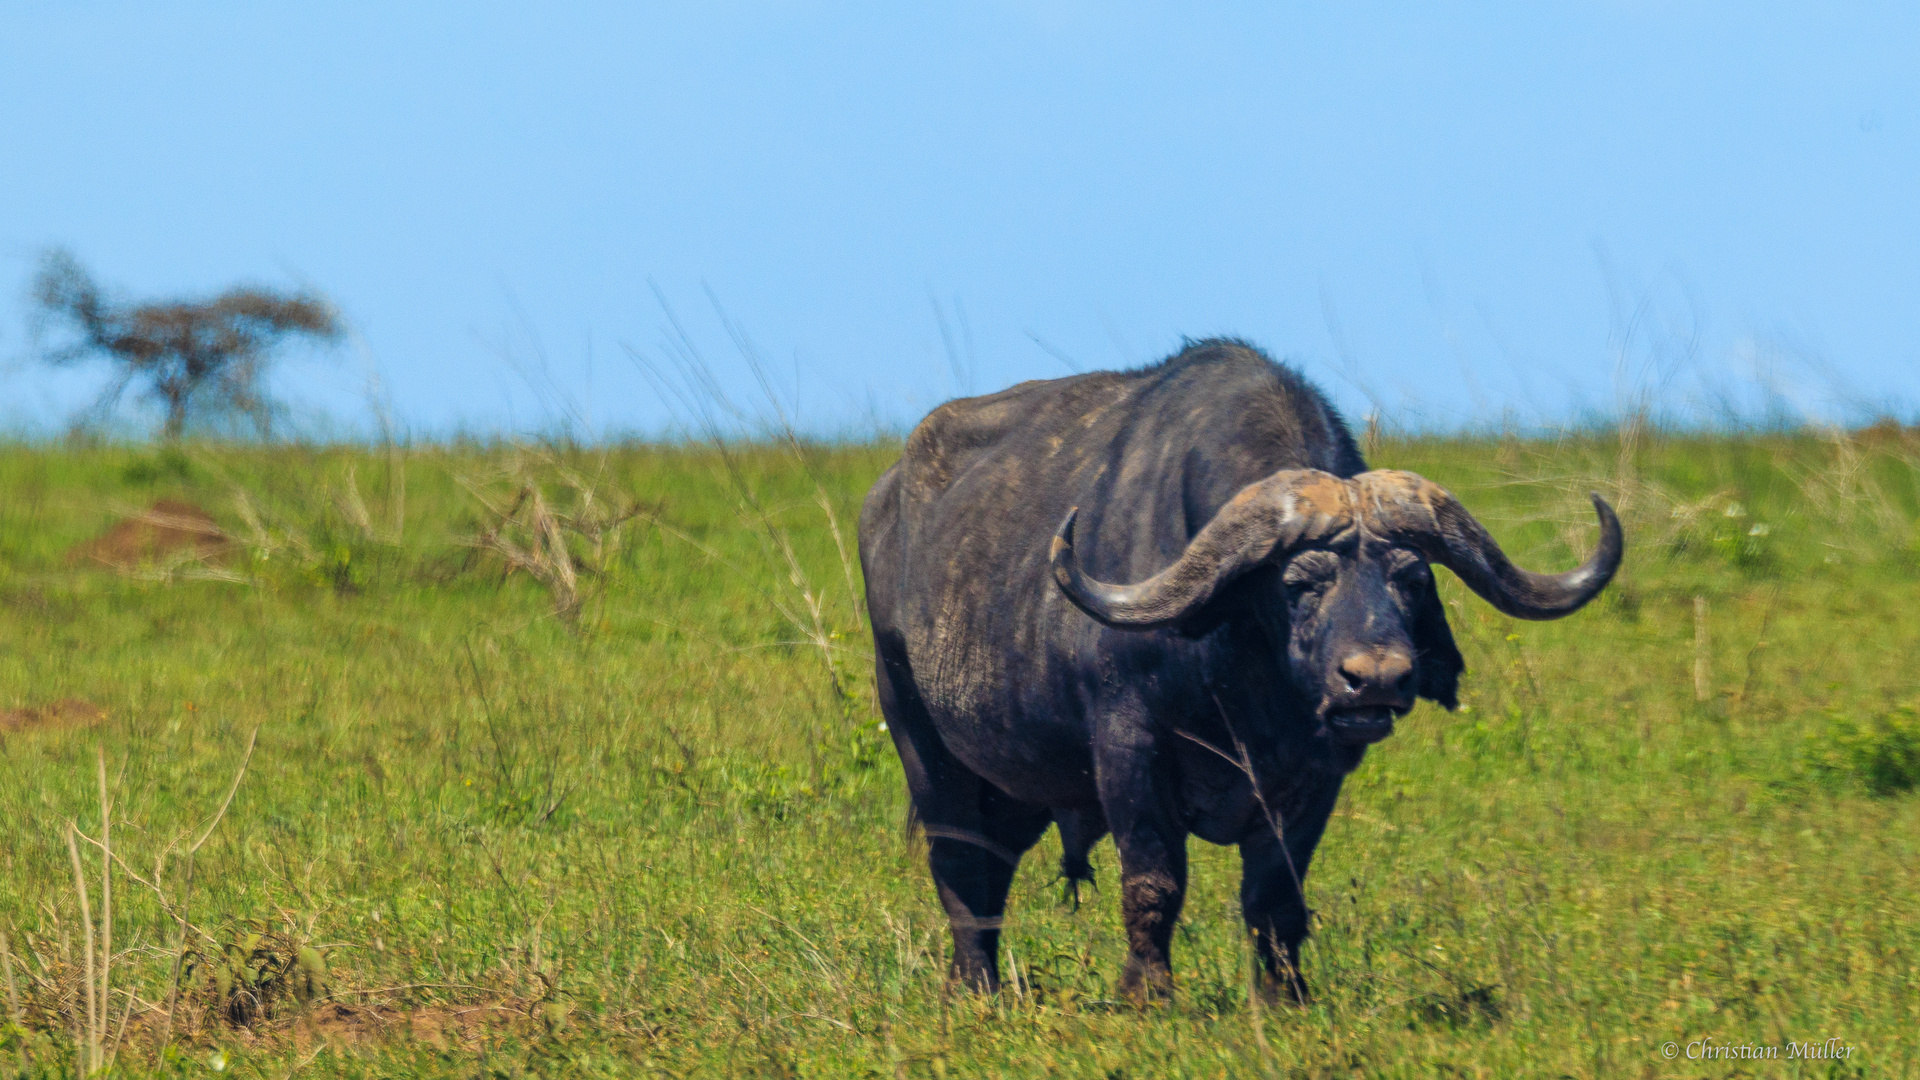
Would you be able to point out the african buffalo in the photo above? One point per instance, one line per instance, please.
(1284, 615)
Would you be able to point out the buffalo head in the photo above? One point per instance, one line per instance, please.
(1364, 630)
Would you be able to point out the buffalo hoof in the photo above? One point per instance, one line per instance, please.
(972, 978)
(1287, 989)
(1143, 984)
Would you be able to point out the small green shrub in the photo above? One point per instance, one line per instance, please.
(333, 567)
(1881, 755)
(1726, 534)
(246, 977)
(167, 464)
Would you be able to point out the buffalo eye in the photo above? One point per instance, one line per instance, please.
(1408, 572)
(1308, 575)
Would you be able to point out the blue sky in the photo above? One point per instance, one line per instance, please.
(1452, 213)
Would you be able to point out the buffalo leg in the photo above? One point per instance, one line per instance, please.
(1153, 868)
(973, 858)
(1273, 874)
(975, 833)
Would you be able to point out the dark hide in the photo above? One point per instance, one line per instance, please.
(1011, 707)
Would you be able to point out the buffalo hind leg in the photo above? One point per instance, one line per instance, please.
(973, 857)
(975, 834)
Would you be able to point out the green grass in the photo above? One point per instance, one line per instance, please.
(666, 838)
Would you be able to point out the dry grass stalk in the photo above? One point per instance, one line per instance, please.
(180, 915)
(90, 1032)
(396, 492)
(1702, 653)
(272, 537)
(14, 1013)
(84, 1047)
(1626, 480)
(1845, 495)
(811, 619)
(106, 897)
(354, 508)
(265, 541)
(90, 1044)
(554, 546)
(814, 627)
(689, 379)
(189, 570)
(92, 1040)
(1655, 517)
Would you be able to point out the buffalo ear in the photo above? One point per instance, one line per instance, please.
(1440, 662)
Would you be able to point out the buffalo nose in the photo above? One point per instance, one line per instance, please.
(1379, 672)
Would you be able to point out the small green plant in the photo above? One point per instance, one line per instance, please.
(333, 567)
(1747, 548)
(1880, 755)
(256, 970)
(168, 464)
(1467, 1006)
(1722, 530)
(860, 744)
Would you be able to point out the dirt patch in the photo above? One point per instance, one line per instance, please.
(467, 1028)
(66, 713)
(446, 1027)
(337, 1025)
(169, 531)
(1887, 434)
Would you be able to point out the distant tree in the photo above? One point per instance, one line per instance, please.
(189, 354)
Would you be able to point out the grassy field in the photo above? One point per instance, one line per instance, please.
(653, 828)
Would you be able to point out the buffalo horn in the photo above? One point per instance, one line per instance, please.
(1413, 510)
(1266, 520)
(1269, 519)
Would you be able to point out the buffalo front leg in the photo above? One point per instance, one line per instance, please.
(1153, 871)
(1273, 875)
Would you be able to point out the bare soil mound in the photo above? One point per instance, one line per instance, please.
(169, 531)
(66, 713)
(446, 1027)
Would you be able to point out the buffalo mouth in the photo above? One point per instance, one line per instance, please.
(1361, 727)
